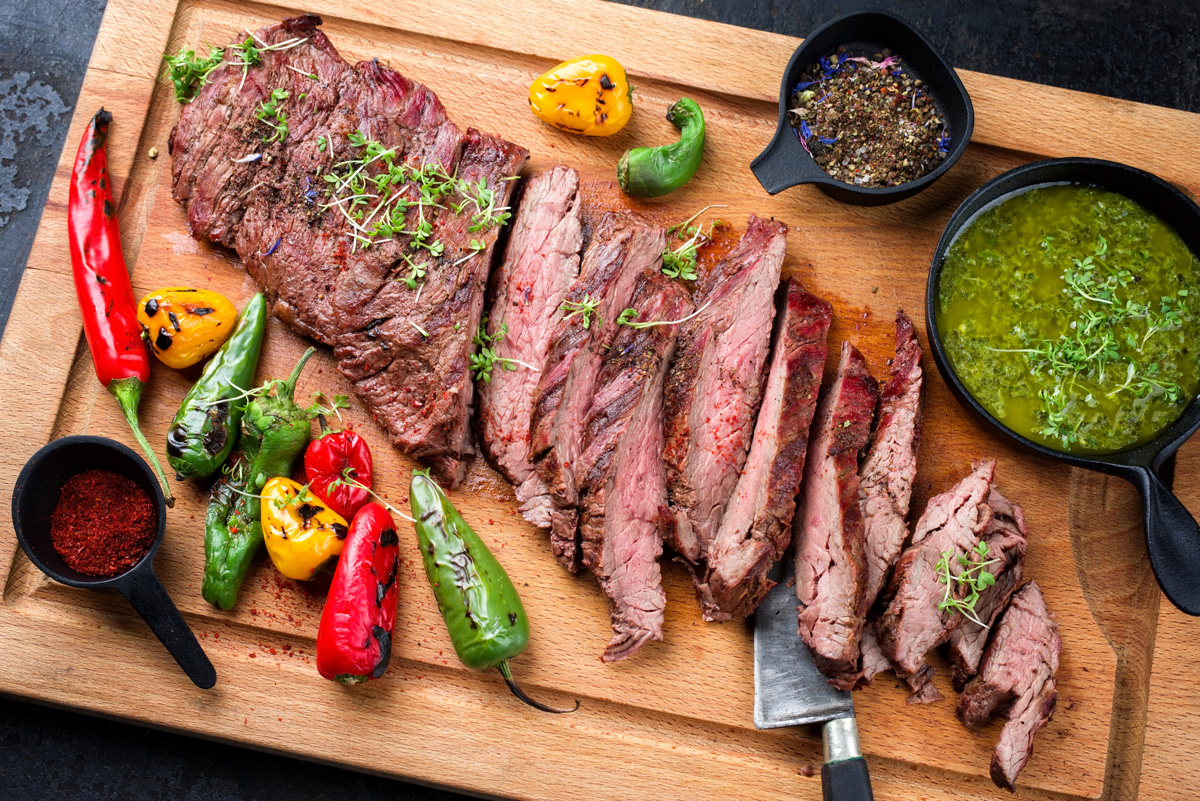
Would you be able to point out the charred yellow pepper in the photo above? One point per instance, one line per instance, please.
(589, 95)
(302, 534)
(184, 326)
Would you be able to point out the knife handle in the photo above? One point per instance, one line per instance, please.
(844, 776)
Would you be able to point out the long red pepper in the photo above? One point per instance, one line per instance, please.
(106, 302)
(354, 640)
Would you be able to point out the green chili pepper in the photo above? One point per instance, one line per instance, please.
(205, 428)
(274, 433)
(654, 171)
(478, 601)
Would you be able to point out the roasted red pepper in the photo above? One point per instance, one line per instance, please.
(354, 640)
(326, 463)
(110, 322)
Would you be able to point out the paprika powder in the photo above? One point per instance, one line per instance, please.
(103, 523)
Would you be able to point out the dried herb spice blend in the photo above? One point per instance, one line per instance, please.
(103, 524)
(867, 121)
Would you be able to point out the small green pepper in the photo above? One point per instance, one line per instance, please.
(654, 171)
(205, 428)
(478, 601)
(274, 433)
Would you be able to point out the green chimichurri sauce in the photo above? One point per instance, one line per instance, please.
(1069, 312)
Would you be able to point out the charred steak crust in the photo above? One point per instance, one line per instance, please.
(526, 295)
(757, 526)
(831, 576)
(715, 384)
(620, 250)
(1018, 679)
(912, 625)
(268, 201)
(622, 485)
(1006, 538)
(888, 470)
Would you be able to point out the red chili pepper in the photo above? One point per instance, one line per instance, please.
(109, 311)
(326, 461)
(354, 640)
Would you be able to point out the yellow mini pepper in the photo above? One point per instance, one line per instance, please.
(302, 534)
(589, 95)
(185, 326)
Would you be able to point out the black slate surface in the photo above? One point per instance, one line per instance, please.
(1148, 52)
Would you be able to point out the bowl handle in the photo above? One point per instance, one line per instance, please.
(1173, 540)
(784, 164)
(148, 596)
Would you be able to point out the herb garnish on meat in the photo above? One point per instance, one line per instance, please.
(189, 72)
(487, 358)
(973, 577)
(271, 112)
(681, 262)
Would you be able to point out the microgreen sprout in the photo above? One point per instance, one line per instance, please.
(629, 316)
(680, 262)
(336, 403)
(290, 498)
(585, 308)
(486, 359)
(271, 112)
(349, 479)
(249, 53)
(971, 580)
(189, 72)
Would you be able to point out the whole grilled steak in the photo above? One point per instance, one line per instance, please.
(1005, 537)
(831, 570)
(757, 526)
(1017, 678)
(622, 486)
(912, 625)
(715, 384)
(621, 249)
(888, 470)
(526, 295)
(281, 200)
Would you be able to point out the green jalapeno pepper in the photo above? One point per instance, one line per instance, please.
(478, 601)
(205, 428)
(274, 433)
(654, 171)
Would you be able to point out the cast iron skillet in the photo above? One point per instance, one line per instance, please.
(1172, 535)
(34, 497)
(785, 163)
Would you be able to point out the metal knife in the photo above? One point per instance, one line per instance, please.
(790, 691)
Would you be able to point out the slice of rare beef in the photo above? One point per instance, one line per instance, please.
(888, 470)
(620, 250)
(1005, 537)
(715, 384)
(831, 570)
(622, 484)
(1017, 679)
(912, 625)
(525, 299)
(757, 526)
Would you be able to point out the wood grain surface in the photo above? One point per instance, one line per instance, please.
(675, 721)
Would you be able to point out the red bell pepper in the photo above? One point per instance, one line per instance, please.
(354, 640)
(326, 463)
(114, 335)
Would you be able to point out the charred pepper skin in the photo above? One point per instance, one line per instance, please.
(184, 326)
(205, 428)
(354, 640)
(274, 433)
(106, 302)
(655, 171)
(483, 612)
(304, 538)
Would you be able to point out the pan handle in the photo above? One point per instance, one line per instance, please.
(844, 776)
(1173, 540)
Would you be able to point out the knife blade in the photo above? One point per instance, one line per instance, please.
(790, 691)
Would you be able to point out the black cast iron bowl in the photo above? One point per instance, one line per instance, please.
(1172, 535)
(34, 497)
(785, 163)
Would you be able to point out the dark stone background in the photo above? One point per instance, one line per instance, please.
(1143, 51)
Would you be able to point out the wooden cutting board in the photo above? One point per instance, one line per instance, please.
(675, 721)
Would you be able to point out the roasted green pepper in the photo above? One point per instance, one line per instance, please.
(654, 171)
(478, 601)
(205, 428)
(274, 433)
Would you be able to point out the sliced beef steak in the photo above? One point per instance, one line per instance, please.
(831, 570)
(888, 470)
(912, 625)
(715, 384)
(621, 249)
(622, 485)
(1017, 678)
(1005, 537)
(526, 296)
(757, 526)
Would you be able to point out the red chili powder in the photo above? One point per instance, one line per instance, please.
(103, 523)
